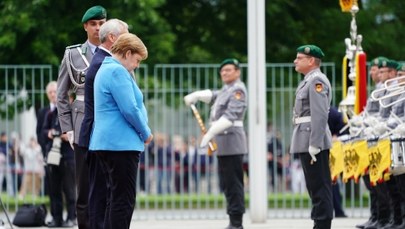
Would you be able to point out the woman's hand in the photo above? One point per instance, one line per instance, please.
(149, 140)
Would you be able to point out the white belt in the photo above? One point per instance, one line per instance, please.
(238, 123)
(80, 97)
(302, 119)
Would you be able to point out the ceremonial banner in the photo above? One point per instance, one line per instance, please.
(355, 160)
(348, 160)
(361, 155)
(380, 160)
(336, 160)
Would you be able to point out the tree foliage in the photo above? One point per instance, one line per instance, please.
(200, 31)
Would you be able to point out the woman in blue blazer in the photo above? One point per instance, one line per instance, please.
(120, 129)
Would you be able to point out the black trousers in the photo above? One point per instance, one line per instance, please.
(383, 202)
(396, 199)
(121, 168)
(62, 186)
(98, 201)
(82, 182)
(319, 184)
(337, 200)
(401, 184)
(230, 170)
(373, 198)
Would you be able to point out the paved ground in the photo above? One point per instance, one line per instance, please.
(340, 223)
(220, 224)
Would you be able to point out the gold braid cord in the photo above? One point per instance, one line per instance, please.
(212, 146)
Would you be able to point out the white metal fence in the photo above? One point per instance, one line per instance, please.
(175, 175)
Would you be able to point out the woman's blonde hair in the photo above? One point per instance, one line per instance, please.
(129, 42)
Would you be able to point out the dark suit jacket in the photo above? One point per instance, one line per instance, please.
(335, 121)
(41, 116)
(52, 122)
(87, 124)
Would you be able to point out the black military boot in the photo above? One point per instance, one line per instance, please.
(370, 221)
(235, 222)
(396, 223)
(322, 224)
(381, 223)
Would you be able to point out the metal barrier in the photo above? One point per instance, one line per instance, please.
(175, 175)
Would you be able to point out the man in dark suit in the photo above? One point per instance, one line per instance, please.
(109, 32)
(60, 171)
(42, 113)
(71, 77)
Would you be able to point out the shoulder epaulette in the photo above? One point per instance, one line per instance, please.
(73, 46)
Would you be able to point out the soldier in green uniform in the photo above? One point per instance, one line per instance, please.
(72, 77)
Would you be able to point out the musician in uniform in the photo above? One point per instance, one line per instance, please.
(389, 196)
(372, 108)
(311, 137)
(72, 73)
(227, 115)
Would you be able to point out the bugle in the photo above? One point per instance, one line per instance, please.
(396, 93)
(396, 79)
(381, 93)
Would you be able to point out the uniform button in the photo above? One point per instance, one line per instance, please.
(308, 128)
(76, 109)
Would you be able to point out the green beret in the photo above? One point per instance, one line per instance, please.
(311, 50)
(392, 64)
(229, 61)
(389, 64)
(401, 67)
(381, 61)
(378, 61)
(94, 13)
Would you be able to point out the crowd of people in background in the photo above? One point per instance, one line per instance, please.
(180, 166)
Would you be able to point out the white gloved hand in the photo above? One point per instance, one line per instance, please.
(192, 98)
(71, 137)
(356, 121)
(371, 121)
(380, 129)
(368, 132)
(392, 123)
(216, 128)
(313, 151)
(354, 131)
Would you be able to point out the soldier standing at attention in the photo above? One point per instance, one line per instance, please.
(311, 136)
(72, 77)
(227, 115)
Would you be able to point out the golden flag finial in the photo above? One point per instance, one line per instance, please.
(346, 5)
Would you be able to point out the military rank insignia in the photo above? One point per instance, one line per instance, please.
(238, 95)
(318, 87)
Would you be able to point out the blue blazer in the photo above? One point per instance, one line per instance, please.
(87, 124)
(120, 117)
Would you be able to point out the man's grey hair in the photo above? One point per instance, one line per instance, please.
(113, 26)
(50, 85)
